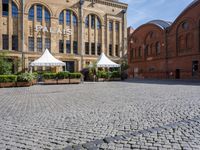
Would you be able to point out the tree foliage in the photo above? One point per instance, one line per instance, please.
(5, 65)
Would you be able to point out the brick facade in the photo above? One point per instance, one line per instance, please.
(160, 49)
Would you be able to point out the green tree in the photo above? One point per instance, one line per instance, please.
(5, 65)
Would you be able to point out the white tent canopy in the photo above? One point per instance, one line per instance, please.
(104, 61)
(47, 59)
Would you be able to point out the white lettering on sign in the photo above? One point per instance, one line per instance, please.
(66, 31)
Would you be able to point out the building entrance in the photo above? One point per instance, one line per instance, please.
(177, 74)
(70, 66)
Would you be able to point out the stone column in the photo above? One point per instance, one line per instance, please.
(10, 25)
(108, 37)
(34, 24)
(89, 34)
(54, 37)
(43, 24)
(103, 38)
(1, 26)
(64, 36)
(124, 32)
(96, 35)
(120, 39)
(114, 39)
(72, 35)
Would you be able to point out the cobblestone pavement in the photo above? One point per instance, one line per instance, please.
(113, 115)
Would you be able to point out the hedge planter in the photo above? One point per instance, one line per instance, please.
(75, 81)
(115, 79)
(63, 81)
(50, 81)
(24, 84)
(7, 84)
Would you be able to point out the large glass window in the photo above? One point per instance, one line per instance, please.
(61, 46)
(68, 46)
(5, 41)
(110, 26)
(61, 18)
(110, 49)
(39, 44)
(117, 26)
(5, 7)
(47, 15)
(31, 43)
(87, 49)
(93, 48)
(98, 23)
(39, 13)
(31, 13)
(75, 47)
(14, 10)
(48, 44)
(68, 17)
(15, 42)
(92, 21)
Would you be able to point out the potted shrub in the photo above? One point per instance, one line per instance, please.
(102, 75)
(24, 80)
(50, 78)
(115, 76)
(63, 77)
(7, 80)
(75, 78)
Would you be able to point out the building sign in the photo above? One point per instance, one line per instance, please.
(66, 31)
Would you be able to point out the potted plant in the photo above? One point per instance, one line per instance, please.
(75, 78)
(35, 77)
(102, 75)
(63, 77)
(7, 81)
(50, 78)
(24, 80)
(115, 76)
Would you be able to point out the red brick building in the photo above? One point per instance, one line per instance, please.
(160, 49)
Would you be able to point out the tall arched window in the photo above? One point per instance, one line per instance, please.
(39, 10)
(157, 48)
(95, 21)
(14, 10)
(5, 8)
(98, 23)
(68, 14)
(87, 22)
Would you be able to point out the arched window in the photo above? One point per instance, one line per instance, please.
(39, 13)
(98, 23)
(157, 48)
(93, 21)
(75, 20)
(31, 13)
(140, 52)
(68, 17)
(61, 18)
(47, 16)
(147, 50)
(87, 22)
(14, 10)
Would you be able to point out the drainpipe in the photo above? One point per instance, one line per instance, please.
(22, 35)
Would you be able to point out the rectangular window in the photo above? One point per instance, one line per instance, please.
(39, 44)
(117, 50)
(93, 48)
(15, 42)
(75, 47)
(117, 27)
(61, 46)
(68, 46)
(68, 17)
(87, 48)
(48, 44)
(5, 41)
(110, 26)
(5, 7)
(99, 49)
(110, 49)
(39, 13)
(31, 44)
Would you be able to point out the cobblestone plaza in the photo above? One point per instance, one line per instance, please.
(113, 115)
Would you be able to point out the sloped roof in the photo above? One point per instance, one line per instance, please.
(104, 61)
(161, 23)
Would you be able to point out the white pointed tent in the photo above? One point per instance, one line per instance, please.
(105, 62)
(47, 59)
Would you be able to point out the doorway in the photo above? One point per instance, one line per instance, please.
(178, 74)
(195, 68)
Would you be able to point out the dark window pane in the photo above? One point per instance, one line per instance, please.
(117, 26)
(87, 48)
(61, 46)
(5, 42)
(99, 49)
(98, 24)
(14, 10)
(39, 44)
(15, 42)
(31, 13)
(92, 21)
(75, 47)
(68, 17)
(93, 48)
(68, 46)
(110, 26)
(5, 7)
(47, 15)
(110, 49)
(39, 13)
(117, 50)
(48, 44)
(31, 43)
(61, 18)
(87, 22)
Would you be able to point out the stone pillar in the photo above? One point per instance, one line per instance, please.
(34, 24)
(54, 37)
(120, 39)
(96, 35)
(26, 34)
(63, 36)
(114, 39)
(43, 24)
(89, 34)
(103, 38)
(108, 37)
(10, 25)
(124, 33)
(72, 35)
(1, 26)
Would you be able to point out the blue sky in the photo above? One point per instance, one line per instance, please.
(142, 11)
